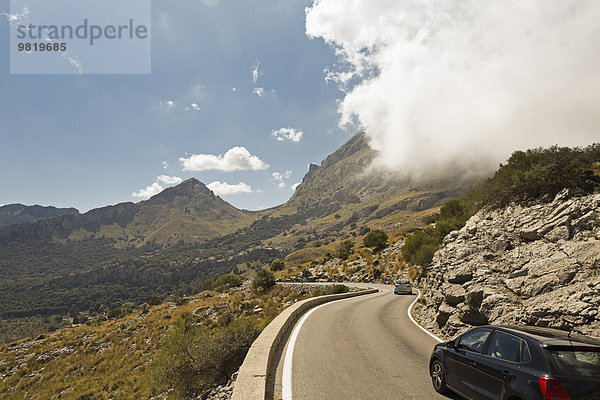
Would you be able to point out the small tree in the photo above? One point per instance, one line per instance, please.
(207, 284)
(263, 280)
(376, 239)
(155, 301)
(344, 249)
(115, 313)
(277, 265)
(228, 281)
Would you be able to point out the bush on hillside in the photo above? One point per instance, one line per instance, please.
(155, 301)
(263, 280)
(345, 248)
(192, 358)
(228, 281)
(277, 265)
(540, 174)
(331, 289)
(376, 239)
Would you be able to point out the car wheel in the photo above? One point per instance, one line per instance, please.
(438, 377)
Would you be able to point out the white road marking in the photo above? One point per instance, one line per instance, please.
(286, 384)
(286, 380)
(416, 323)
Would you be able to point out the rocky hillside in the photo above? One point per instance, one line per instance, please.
(536, 265)
(121, 357)
(344, 178)
(21, 214)
(341, 197)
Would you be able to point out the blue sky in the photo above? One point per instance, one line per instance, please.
(439, 86)
(225, 74)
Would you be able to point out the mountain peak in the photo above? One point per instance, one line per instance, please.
(191, 187)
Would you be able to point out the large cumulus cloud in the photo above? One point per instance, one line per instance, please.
(457, 85)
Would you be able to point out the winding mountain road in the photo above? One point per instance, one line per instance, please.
(360, 348)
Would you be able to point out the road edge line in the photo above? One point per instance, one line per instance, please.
(416, 323)
(251, 383)
(286, 385)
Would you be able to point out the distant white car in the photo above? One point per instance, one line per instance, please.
(402, 286)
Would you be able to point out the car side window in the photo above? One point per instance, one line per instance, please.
(506, 347)
(474, 340)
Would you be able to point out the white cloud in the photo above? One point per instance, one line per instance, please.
(256, 72)
(279, 178)
(235, 159)
(259, 91)
(291, 134)
(223, 188)
(193, 107)
(165, 164)
(169, 180)
(150, 191)
(295, 185)
(167, 104)
(449, 83)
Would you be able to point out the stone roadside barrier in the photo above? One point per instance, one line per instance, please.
(251, 383)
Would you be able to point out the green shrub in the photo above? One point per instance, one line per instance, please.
(207, 284)
(376, 239)
(263, 280)
(155, 301)
(115, 313)
(277, 265)
(192, 359)
(331, 289)
(345, 249)
(541, 174)
(228, 281)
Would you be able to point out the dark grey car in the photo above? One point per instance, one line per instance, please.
(402, 286)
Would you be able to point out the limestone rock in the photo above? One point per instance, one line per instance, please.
(537, 264)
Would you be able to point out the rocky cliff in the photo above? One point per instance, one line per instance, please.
(21, 214)
(536, 265)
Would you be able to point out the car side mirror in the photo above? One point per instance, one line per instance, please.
(452, 344)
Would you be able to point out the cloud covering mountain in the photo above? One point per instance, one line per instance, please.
(462, 84)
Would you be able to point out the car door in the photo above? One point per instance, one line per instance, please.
(461, 361)
(500, 365)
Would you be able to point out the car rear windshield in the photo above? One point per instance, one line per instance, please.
(403, 282)
(577, 362)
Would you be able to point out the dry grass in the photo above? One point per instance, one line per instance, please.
(110, 359)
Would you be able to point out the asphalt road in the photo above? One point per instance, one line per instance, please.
(361, 348)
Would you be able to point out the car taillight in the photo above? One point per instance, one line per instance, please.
(553, 389)
(395, 285)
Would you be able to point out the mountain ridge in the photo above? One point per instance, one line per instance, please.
(190, 199)
(18, 213)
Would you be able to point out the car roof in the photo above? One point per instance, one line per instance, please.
(549, 336)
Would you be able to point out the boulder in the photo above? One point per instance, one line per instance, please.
(460, 276)
(454, 294)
